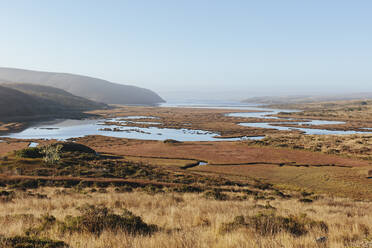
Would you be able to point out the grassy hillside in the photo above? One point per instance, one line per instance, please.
(91, 88)
(23, 101)
(57, 96)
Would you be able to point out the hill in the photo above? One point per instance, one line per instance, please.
(28, 104)
(57, 97)
(307, 98)
(91, 88)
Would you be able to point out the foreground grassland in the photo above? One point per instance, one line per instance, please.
(186, 219)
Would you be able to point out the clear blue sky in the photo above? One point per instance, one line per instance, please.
(231, 47)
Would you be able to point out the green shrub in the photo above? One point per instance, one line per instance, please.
(30, 242)
(151, 189)
(52, 154)
(30, 152)
(26, 184)
(187, 189)
(238, 222)
(96, 219)
(124, 189)
(305, 200)
(271, 224)
(6, 196)
(171, 141)
(45, 223)
(216, 195)
(262, 185)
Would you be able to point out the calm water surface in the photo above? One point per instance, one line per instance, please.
(65, 129)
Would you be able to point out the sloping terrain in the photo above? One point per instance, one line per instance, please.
(16, 103)
(40, 101)
(57, 96)
(91, 88)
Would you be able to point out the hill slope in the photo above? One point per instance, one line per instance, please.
(91, 88)
(17, 104)
(57, 97)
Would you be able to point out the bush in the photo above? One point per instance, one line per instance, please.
(262, 185)
(305, 200)
(187, 189)
(6, 196)
(270, 224)
(52, 154)
(96, 219)
(216, 195)
(151, 189)
(171, 141)
(30, 152)
(237, 223)
(30, 242)
(123, 189)
(73, 147)
(26, 184)
(46, 222)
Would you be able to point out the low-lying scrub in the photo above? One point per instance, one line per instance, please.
(30, 152)
(96, 219)
(216, 195)
(30, 242)
(271, 224)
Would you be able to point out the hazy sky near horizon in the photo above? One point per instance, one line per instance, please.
(230, 48)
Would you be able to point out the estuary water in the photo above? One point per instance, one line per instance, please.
(65, 129)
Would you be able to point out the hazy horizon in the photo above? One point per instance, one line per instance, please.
(197, 49)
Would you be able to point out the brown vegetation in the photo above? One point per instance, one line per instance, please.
(190, 220)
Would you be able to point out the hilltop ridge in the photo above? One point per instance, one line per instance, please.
(88, 87)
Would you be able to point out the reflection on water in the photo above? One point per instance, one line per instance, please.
(65, 129)
(78, 128)
(266, 114)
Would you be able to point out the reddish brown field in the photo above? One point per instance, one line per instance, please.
(215, 152)
(295, 169)
(7, 147)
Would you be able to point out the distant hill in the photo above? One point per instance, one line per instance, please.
(57, 97)
(273, 100)
(23, 102)
(91, 88)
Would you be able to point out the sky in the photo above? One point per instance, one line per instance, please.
(196, 48)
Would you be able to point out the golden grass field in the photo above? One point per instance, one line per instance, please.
(191, 220)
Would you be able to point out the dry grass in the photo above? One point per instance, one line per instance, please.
(354, 146)
(190, 220)
(357, 111)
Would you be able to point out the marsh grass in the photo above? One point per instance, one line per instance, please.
(354, 146)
